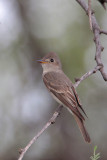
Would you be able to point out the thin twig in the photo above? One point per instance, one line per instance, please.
(103, 32)
(51, 121)
(96, 32)
(86, 75)
(103, 3)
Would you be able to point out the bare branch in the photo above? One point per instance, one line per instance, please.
(86, 75)
(103, 3)
(51, 121)
(103, 32)
(96, 32)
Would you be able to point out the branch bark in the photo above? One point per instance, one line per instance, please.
(103, 32)
(89, 13)
(86, 75)
(96, 31)
(51, 121)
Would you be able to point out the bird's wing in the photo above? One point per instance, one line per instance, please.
(61, 89)
(77, 99)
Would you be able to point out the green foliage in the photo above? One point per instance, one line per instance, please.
(95, 156)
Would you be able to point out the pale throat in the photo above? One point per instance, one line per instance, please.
(50, 68)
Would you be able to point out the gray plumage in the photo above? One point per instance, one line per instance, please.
(62, 90)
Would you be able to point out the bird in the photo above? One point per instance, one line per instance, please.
(62, 90)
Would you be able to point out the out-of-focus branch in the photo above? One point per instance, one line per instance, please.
(96, 31)
(103, 3)
(51, 121)
(103, 32)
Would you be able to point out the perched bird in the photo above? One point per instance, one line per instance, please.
(62, 89)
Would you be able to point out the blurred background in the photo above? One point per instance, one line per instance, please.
(29, 29)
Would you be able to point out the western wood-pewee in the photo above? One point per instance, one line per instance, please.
(62, 89)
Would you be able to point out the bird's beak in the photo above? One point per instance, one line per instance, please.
(41, 61)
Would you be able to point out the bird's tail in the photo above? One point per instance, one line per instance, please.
(82, 128)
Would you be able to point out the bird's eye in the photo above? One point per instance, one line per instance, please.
(52, 60)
